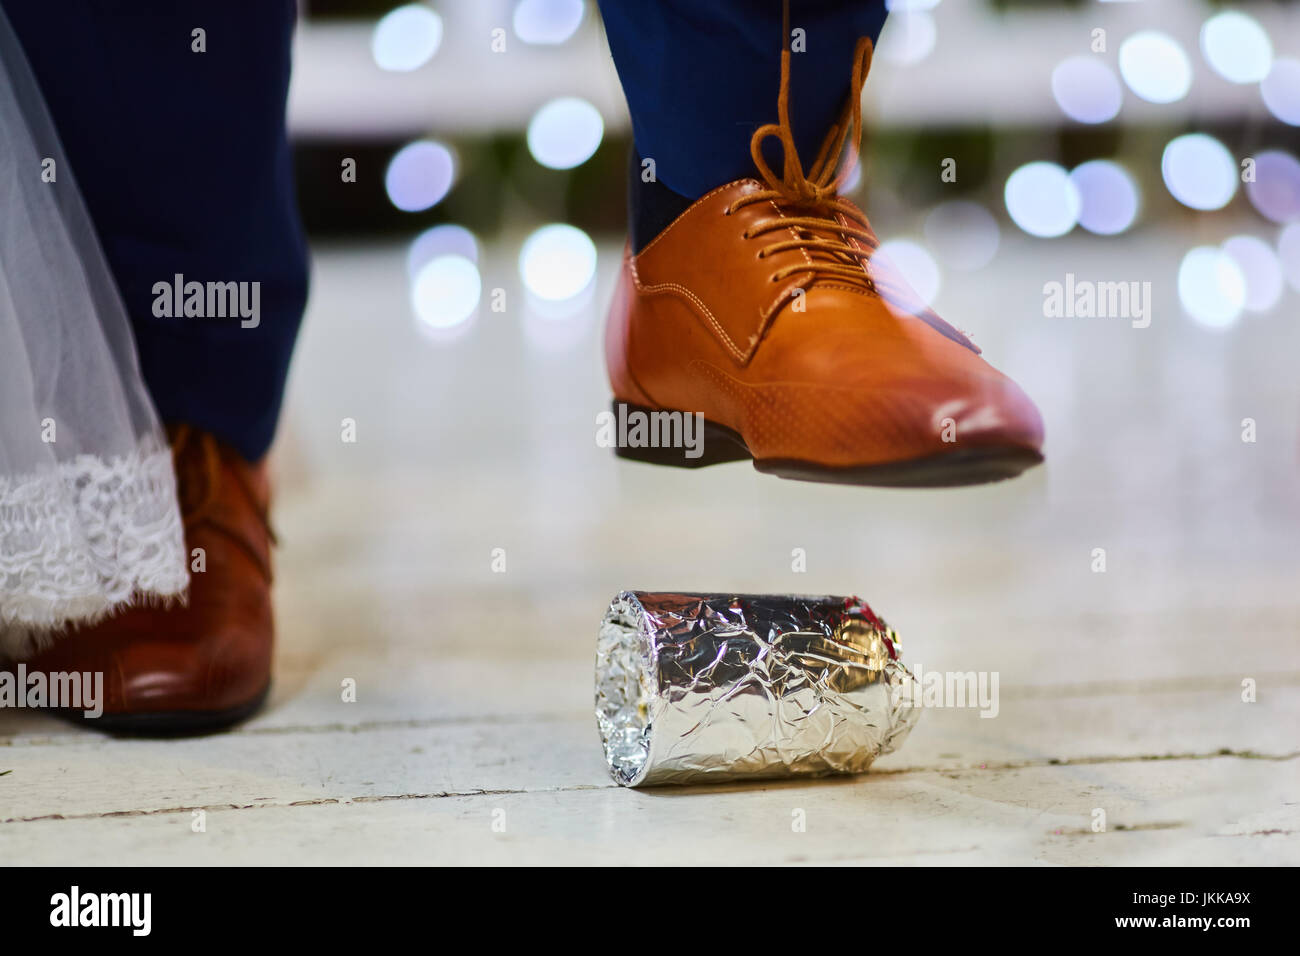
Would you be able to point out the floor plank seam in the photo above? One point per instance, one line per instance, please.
(318, 802)
(1223, 753)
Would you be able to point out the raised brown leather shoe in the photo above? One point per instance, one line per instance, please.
(205, 665)
(766, 309)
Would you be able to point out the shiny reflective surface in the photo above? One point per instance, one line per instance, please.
(696, 687)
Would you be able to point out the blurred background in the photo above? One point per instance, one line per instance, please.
(1086, 118)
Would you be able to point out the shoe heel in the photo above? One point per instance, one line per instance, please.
(659, 436)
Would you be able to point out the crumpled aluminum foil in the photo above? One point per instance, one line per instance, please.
(694, 688)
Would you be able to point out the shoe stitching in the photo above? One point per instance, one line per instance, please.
(703, 310)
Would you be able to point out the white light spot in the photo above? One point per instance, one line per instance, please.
(1288, 254)
(547, 21)
(1258, 264)
(445, 240)
(565, 133)
(1042, 200)
(446, 292)
(407, 38)
(1155, 67)
(1276, 189)
(1199, 171)
(1281, 91)
(915, 265)
(854, 179)
(964, 235)
(908, 37)
(419, 175)
(1211, 287)
(1108, 196)
(1087, 90)
(1236, 47)
(557, 262)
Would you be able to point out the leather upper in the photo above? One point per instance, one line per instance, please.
(213, 653)
(809, 367)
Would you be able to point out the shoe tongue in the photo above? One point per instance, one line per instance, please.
(882, 274)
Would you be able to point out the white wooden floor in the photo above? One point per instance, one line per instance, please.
(472, 737)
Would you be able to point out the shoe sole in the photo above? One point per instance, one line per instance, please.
(173, 723)
(963, 466)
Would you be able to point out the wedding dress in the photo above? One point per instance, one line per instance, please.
(89, 521)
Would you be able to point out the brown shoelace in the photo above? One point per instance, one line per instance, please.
(827, 224)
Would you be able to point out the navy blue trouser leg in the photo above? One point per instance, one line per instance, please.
(184, 163)
(701, 75)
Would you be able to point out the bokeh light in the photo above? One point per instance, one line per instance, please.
(565, 133)
(446, 292)
(1199, 171)
(441, 240)
(909, 37)
(547, 21)
(1260, 268)
(964, 235)
(854, 179)
(1211, 287)
(1042, 200)
(419, 175)
(1281, 90)
(406, 38)
(915, 264)
(1288, 254)
(1275, 191)
(1108, 196)
(1236, 47)
(557, 262)
(1155, 67)
(1087, 90)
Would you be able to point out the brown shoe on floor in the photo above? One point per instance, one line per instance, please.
(200, 667)
(765, 309)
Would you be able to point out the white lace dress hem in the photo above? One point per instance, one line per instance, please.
(84, 539)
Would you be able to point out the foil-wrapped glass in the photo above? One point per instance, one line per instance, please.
(712, 687)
